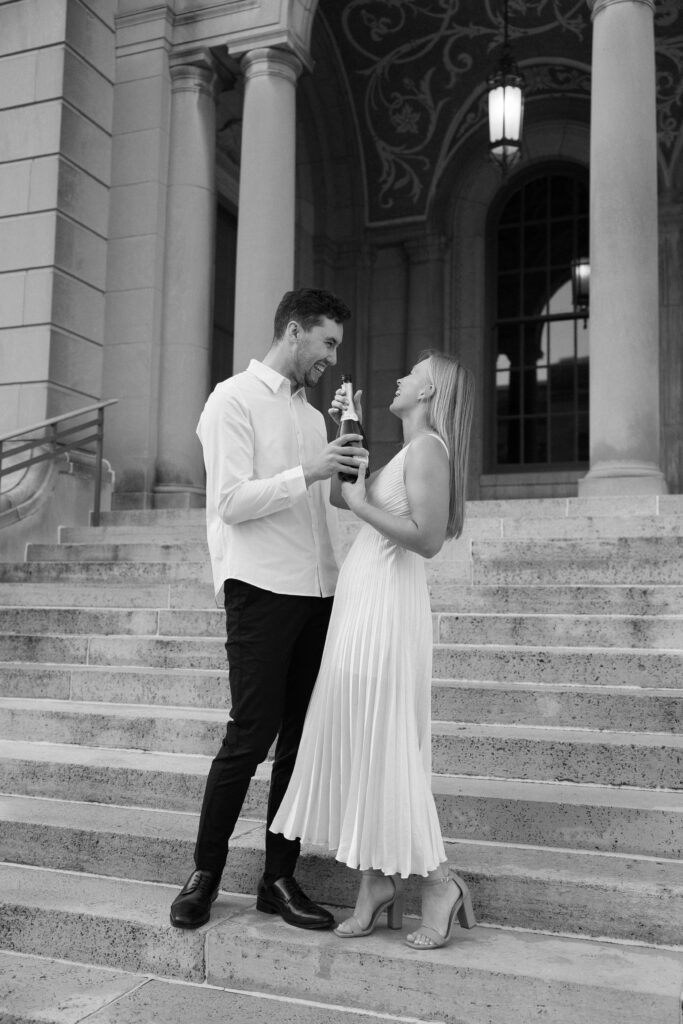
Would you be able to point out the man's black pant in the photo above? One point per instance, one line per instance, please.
(275, 643)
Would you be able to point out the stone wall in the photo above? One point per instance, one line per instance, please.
(56, 86)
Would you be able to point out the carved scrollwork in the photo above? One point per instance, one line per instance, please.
(417, 71)
(669, 52)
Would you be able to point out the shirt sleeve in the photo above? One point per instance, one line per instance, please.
(227, 437)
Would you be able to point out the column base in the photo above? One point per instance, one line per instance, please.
(612, 478)
(179, 496)
(123, 501)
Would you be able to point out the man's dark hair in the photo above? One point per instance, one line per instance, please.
(308, 306)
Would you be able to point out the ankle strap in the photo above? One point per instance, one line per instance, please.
(437, 881)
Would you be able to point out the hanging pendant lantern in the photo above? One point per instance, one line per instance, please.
(581, 278)
(506, 106)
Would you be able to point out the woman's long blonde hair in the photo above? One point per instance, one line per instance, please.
(449, 414)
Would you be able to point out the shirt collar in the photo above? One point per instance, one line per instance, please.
(272, 379)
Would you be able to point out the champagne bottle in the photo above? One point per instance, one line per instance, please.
(350, 424)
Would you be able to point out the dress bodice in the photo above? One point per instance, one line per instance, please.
(388, 490)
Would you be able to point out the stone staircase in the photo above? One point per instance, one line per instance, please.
(558, 774)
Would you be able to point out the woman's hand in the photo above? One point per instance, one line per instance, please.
(353, 492)
(340, 402)
(340, 456)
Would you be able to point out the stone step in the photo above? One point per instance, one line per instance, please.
(153, 517)
(132, 586)
(645, 560)
(573, 527)
(36, 990)
(476, 527)
(559, 508)
(110, 595)
(616, 599)
(147, 551)
(591, 707)
(103, 572)
(591, 817)
(110, 621)
(135, 727)
(625, 506)
(648, 760)
(568, 666)
(547, 889)
(579, 707)
(194, 687)
(664, 632)
(171, 533)
(78, 621)
(579, 560)
(657, 631)
(124, 925)
(159, 652)
(446, 595)
(575, 666)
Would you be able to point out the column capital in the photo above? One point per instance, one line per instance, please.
(599, 5)
(193, 71)
(271, 61)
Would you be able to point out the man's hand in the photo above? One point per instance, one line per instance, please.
(340, 402)
(342, 455)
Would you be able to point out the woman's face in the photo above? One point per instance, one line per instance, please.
(412, 388)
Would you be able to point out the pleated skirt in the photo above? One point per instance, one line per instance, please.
(362, 781)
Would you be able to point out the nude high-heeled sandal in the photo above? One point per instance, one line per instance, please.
(462, 909)
(393, 907)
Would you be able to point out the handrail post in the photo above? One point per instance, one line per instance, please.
(46, 443)
(98, 467)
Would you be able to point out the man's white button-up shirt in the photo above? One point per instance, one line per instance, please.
(264, 526)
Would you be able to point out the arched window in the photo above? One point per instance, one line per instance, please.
(540, 416)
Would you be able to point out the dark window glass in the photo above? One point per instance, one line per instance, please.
(541, 365)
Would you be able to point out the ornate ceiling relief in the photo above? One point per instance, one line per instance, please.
(417, 71)
(669, 55)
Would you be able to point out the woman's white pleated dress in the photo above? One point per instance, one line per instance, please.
(362, 781)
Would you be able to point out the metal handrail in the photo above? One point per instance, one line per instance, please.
(55, 438)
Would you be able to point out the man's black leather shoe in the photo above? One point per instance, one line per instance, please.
(192, 906)
(284, 897)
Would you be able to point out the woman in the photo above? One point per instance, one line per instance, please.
(362, 780)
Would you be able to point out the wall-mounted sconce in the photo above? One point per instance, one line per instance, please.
(581, 279)
(506, 106)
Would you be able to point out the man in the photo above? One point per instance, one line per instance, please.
(268, 464)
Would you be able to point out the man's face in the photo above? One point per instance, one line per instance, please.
(316, 350)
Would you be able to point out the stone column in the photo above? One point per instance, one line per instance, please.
(426, 290)
(265, 228)
(188, 285)
(624, 314)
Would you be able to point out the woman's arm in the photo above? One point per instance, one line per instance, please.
(336, 497)
(427, 488)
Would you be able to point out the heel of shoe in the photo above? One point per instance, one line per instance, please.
(466, 918)
(395, 912)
